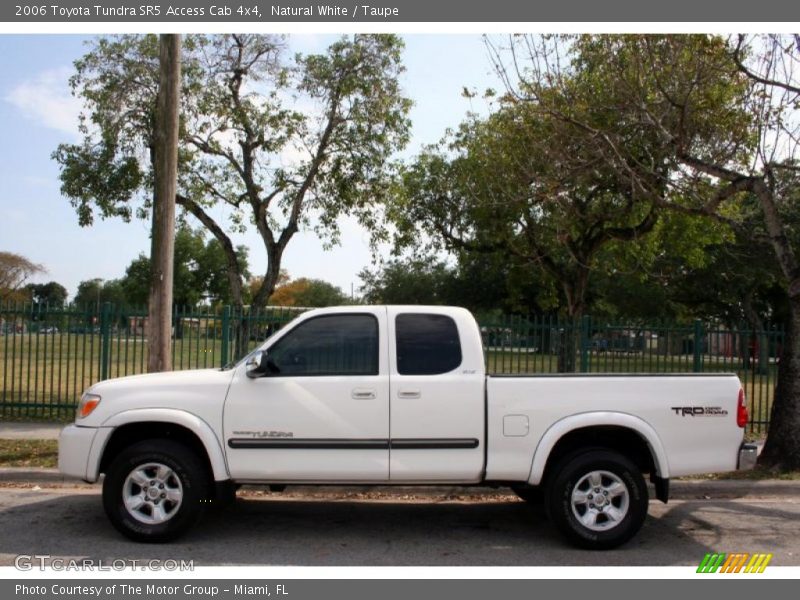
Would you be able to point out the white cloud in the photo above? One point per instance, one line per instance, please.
(46, 99)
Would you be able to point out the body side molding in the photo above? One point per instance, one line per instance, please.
(354, 444)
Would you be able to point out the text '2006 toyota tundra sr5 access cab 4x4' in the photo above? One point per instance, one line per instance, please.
(399, 395)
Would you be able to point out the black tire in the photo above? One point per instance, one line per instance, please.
(612, 516)
(185, 490)
(225, 495)
(533, 495)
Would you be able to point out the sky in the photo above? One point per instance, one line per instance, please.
(37, 112)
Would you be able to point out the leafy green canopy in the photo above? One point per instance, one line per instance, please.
(266, 140)
(199, 272)
(564, 176)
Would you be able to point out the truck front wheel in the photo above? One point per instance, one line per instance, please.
(155, 490)
(598, 499)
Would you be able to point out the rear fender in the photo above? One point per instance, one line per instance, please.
(592, 419)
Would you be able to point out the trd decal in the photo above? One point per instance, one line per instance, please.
(699, 411)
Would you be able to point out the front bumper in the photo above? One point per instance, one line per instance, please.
(74, 447)
(748, 454)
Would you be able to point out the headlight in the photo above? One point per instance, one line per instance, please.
(87, 404)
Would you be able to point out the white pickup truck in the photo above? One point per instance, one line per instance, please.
(399, 395)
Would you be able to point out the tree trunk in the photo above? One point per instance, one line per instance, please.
(569, 332)
(759, 356)
(163, 238)
(237, 320)
(782, 449)
(245, 322)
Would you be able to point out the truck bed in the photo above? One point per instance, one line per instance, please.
(689, 420)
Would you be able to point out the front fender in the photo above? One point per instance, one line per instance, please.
(192, 422)
(593, 419)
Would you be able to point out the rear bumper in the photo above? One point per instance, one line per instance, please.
(748, 454)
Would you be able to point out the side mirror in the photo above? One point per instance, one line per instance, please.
(257, 365)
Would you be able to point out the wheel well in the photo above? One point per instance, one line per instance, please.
(620, 439)
(131, 433)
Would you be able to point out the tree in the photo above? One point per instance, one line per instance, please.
(308, 293)
(673, 274)
(411, 281)
(199, 272)
(525, 184)
(51, 293)
(93, 293)
(245, 147)
(88, 293)
(15, 270)
(726, 114)
(771, 174)
(212, 268)
(136, 282)
(478, 281)
(733, 282)
(254, 283)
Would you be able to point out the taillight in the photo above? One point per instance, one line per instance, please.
(741, 410)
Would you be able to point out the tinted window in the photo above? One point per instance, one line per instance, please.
(329, 345)
(426, 344)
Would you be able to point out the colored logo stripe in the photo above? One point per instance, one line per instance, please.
(711, 563)
(741, 562)
(734, 563)
(727, 566)
(758, 563)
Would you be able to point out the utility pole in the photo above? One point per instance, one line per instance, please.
(166, 174)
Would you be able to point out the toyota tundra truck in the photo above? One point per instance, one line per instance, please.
(399, 395)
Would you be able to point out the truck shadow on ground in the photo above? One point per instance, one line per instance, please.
(379, 533)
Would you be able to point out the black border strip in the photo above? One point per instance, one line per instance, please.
(354, 444)
(308, 444)
(433, 443)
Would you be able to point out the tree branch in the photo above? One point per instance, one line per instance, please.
(233, 271)
(737, 58)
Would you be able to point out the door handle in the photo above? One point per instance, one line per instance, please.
(409, 394)
(363, 394)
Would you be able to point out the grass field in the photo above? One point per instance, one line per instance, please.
(43, 375)
(28, 453)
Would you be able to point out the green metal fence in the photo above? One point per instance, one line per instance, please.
(546, 345)
(49, 355)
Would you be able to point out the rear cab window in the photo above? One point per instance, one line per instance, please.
(426, 344)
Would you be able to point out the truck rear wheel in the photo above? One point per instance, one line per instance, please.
(598, 499)
(155, 490)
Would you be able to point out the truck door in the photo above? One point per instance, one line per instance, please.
(322, 414)
(437, 397)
